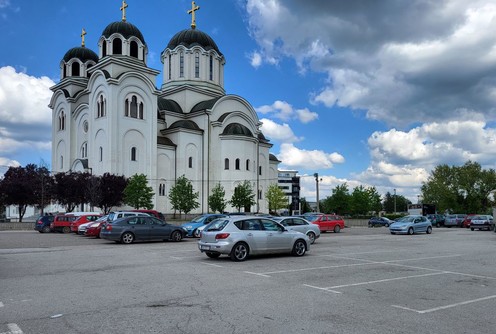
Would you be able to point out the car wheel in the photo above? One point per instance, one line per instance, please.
(370, 225)
(127, 238)
(239, 252)
(66, 229)
(176, 236)
(429, 230)
(471, 229)
(299, 248)
(196, 233)
(393, 232)
(410, 231)
(337, 228)
(311, 236)
(387, 225)
(212, 255)
(45, 229)
(438, 225)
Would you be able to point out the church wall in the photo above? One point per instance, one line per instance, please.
(166, 177)
(99, 166)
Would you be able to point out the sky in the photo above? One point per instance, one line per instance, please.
(371, 93)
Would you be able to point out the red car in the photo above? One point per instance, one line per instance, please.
(83, 219)
(466, 221)
(94, 229)
(326, 222)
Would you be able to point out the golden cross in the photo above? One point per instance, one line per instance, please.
(123, 9)
(192, 11)
(83, 33)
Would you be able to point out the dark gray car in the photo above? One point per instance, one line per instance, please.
(137, 228)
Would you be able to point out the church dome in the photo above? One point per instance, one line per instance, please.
(192, 37)
(124, 28)
(81, 53)
(236, 129)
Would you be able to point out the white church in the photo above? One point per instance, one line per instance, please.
(109, 116)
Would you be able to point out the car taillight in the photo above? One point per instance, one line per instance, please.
(222, 236)
(108, 227)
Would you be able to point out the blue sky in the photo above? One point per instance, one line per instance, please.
(363, 92)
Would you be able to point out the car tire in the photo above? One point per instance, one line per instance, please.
(311, 236)
(45, 229)
(196, 233)
(387, 225)
(239, 252)
(410, 231)
(337, 229)
(393, 232)
(127, 238)
(176, 236)
(212, 255)
(370, 225)
(438, 225)
(471, 229)
(429, 230)
(66, 229)
(299, 248)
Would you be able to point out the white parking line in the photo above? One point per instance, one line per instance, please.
(444, 307)
(385, 280)
(213, 265)
(1, 304)
(13, 329)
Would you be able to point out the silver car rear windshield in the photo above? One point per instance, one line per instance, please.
(217, 225)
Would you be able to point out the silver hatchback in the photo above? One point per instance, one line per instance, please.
(241, 236)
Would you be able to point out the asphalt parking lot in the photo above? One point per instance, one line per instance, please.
(359, 281)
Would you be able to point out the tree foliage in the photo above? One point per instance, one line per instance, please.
(401, 203)
(137, 192)
(243, 197)
(338, 202)
(216, 201)
(464, 189)
(182, 197)
(110, 191)
(276, 198)
(70, 189)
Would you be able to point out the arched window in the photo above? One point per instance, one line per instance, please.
(101, 106)
(104, 48)
(211, 70)
(133, 153)
(170, 67)
(226, 163)
(237, 164)
(161, 189)
(117, 46)
(62, 121)
(75, 69)
(247, 164)
(101, 153)
(134, 109)
(134, 49)
(197, 65)
(65, 71)
(84, 150)
(61, 162)
(190, 162)
(181, 65)
(259, 170)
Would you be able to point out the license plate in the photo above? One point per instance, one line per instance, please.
(202, 247)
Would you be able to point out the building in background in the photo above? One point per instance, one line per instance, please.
(289, 182)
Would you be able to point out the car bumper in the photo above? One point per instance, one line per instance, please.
(218, 247)
(399, 231)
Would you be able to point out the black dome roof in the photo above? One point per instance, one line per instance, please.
(124, 28)
(192, 37)
(236, 129)
(81, 53)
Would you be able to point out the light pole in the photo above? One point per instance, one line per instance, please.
(317, 187)
(394, 200)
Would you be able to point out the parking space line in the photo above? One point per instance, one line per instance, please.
(445, 306)
(385, 280)
(256, 274)
(213, 265)
(316, 268)
(1, 304)
(13, 329)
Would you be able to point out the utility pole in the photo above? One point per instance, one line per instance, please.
(394, 200)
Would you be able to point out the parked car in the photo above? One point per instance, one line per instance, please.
(193, 225)
(454, 220)
(43, 224)
(62, 223)
(140, 228)
(301, 225)
(153, 213)
(83, 227)
(121, 214)
(379, 221)
(94, 228)
(242, 236)
(482, 222)
(82, 220)
(466, 221)
(437, 219)
(411, 224)
(326, 222)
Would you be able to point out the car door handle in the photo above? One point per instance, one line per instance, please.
(250, 234)
(270, 234)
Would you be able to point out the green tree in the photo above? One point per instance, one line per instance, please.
(276, 198)
(137, 192)
(359, 201)
(305, 207)
(243, 196)
(338, 202)
(110, 191)
(401, 203)
(216, 201)
(182, 197)
(18, 187)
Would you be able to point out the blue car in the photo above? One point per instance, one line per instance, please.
(192, 226)
(43, 224)
(410, 225)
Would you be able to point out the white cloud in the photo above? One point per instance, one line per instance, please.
(279, 132)
(293, 157)
(255, 59)
(285, 112)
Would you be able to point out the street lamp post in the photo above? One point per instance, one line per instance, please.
(317, 187)
(394, 200)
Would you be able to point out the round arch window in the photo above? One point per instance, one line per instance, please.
(85, 126)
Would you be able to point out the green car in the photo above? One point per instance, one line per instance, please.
(437, 219)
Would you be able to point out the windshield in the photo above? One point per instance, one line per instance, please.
(217, 225)
(198, 219)
(312, 218)
(406, 219)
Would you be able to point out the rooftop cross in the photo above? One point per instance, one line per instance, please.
(83, 33)
(192, 11)
(123, 9)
